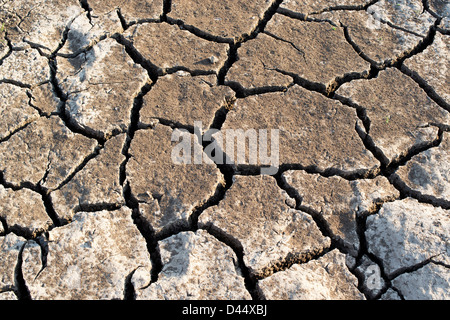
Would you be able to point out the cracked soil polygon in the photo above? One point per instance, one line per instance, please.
(43, 153)
(397, 108)
(245, 212)
(294, 46)
(101, 85)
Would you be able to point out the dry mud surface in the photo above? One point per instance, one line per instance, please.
(92, 206)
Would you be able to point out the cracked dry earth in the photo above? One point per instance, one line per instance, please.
(92, 206)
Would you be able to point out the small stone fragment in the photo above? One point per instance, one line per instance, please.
(326, 278)
(370, 273)
(196, 266)
(390, 294)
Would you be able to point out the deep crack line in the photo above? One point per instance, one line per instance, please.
(144, 227)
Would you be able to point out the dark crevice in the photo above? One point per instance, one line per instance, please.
(361, 227)
(144, 227)
(421, 46)
(304, 17)
(369, 144)
(129, 292)
(16, 130)
(357, 49)
(324, 227)
(84, 49)
(9, 45)
(214, 200)
(443, 31)
(236, 43)
(242, 92)
(402, 159)
(43, 192)
(30, 103)
(405, 30)
(49, 208)
(21, 289)
(63, 40)
(429, 90)
(305, 83)
(320, 221)
(270, 12)
(250, 280)
(175, 125)
(193, 73)
(132, 128)
(395, 61)
(4, 226)
(16, 83)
